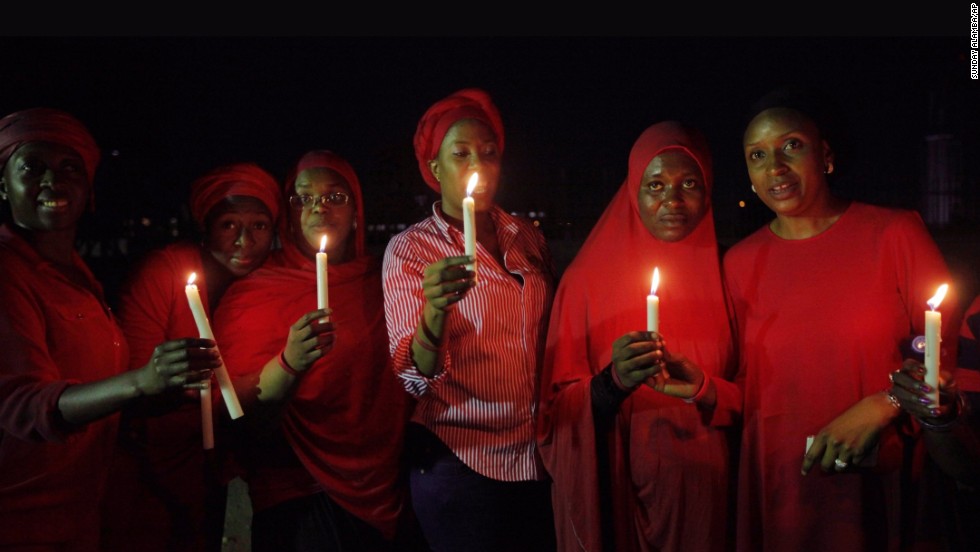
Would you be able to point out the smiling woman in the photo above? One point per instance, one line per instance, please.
(63, 371)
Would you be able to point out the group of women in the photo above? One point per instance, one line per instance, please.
(453, 399)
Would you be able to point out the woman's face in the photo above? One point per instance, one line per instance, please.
(673, 196)
(469, 146)
(322, 216)
(239, 233)
(47, 186)
(786, 159)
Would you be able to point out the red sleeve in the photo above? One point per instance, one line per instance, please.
(146, 304)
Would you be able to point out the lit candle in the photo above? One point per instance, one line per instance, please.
(322, 296)
(653, 303)
(934, 323)
(469, 219)
(204, 329)
(658, 380)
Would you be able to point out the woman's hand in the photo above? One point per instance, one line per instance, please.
(848, 438)
(686, 377)
(446, 281)
(637, 356)
(179, 363)
(310, 338)
(912, 392)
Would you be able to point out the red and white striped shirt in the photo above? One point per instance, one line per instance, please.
(483, 400)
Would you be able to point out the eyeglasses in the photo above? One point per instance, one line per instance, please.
(306, 200)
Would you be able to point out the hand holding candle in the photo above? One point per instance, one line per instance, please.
(204, 329)
(469, 219)
(657, 381)
(322, 294)
(933, 340)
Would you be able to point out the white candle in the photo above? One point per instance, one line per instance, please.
(204, 329)
(658, 380)
(322, 295)
(934, 323)
(653, 303)
(469, 219)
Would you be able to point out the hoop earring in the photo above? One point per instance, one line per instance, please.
(829, 168)
(753, 189)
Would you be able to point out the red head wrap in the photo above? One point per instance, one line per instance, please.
(329, 160)
(43, 124)
(469, 103)
(238, 179)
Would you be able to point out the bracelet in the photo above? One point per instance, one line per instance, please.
(426, 346)
(286, 367)
(701, 391)
(618, 382)
(437, 341)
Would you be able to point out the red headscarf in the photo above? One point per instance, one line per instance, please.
(469, 103)
(245, 179)
(327, 159)
(600, 298)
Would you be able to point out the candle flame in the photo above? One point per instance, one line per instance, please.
(655, 281)
(474, 178)
(323, 243)
(191, 278)
(938, 297)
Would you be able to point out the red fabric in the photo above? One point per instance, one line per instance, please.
(245, 179)
(668, 460)
(53, 333)
(468, 103)
(346, 420)
(162, 476)
(822, 321)
(42, 124)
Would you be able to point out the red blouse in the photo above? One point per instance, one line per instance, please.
(53, 333)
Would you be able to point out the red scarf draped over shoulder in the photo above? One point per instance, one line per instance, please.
(346, 420)
(602, 296)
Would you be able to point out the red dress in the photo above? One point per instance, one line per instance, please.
(342, 430)
(53, 333)
(821, 324)
(167, 492)
(668, 460)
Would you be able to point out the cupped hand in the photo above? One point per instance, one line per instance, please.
(178, 363)
(637, 356)
(310, 338)
(686, 377)
(446, 281)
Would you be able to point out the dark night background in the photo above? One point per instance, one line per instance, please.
(167, 109)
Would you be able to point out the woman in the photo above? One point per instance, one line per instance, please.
(643, 467)
(324, 416)
(63, 371)
(469, 350)
(174, 498)
(825, 296)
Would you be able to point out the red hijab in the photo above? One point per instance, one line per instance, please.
(244, 179)
(345, 421)
(602, 296)
(469, 103)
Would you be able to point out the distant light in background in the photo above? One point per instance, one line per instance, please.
(741, 204)
(145, 221)
(115, 153)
